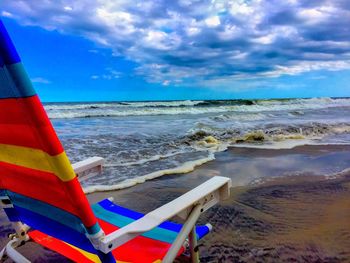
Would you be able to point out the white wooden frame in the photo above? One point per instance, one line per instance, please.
(89, 167)
(188, 206)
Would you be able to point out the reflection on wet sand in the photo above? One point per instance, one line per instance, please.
(295, 219)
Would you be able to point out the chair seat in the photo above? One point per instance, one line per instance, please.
(149, 247)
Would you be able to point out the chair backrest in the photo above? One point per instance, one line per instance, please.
(35, 172)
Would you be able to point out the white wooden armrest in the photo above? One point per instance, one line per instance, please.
(206, 195)
(89, 167)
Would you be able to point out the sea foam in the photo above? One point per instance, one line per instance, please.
(184, 168)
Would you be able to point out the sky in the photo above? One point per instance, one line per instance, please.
(107, 50)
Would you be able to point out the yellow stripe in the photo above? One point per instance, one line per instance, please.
(90, 256)
(38, 160)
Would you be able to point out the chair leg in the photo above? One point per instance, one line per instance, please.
(193, 246)
(181, 237)
(12, 253)
(17, 239)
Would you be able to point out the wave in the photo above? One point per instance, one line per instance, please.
(287, 136)
(182, 169)
(296, 107)
(211, 142)
(281, 138)
(143, 161)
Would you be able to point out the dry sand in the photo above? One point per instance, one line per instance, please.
(296, 218)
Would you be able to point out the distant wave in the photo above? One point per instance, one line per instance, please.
(119, 109)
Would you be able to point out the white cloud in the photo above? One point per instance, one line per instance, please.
(68, 8)
(166, 83)
(109, 74)
(40, 80)
(213, 21)
(189, 41)
(6, 14)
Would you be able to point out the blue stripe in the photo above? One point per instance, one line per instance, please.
(7, 86)
(55, 229)
(2, 62)
(7, 50)
(157, 233)
(94, 229)
(106, 258)
(11, 214)
(110, 206)
(47, 210)
(14, 82)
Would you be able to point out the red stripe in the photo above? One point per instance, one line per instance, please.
(24, 122)
(58, 246)
(43, 186)
(140, 249)
(79, 200)
(47, 188)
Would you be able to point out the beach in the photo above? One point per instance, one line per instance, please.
(288, 161)
(294, 216)
(300, 217)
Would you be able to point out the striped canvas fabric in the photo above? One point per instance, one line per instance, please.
(149, 247)
(34, 169)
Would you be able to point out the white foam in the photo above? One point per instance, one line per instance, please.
(189, 107)
(273, 145)
(211, 144)
(182, 169)
(143, 161)
(338, 174)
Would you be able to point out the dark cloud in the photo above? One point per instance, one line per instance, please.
(190, 41)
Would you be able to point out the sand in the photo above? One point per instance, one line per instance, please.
(302, 216)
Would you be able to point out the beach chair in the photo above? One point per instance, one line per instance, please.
(42, 197)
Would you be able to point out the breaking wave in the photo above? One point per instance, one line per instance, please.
(120, 109)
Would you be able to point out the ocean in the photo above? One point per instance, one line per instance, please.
(144, 140)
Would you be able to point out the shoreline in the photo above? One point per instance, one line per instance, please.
(287, 146)
(222, 165)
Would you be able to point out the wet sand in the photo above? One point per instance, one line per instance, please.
(302, 216)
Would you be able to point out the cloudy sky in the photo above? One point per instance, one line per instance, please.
(185, 49)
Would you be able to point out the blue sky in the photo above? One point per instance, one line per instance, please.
(171, 50)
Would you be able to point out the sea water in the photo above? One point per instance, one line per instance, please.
(145, 140)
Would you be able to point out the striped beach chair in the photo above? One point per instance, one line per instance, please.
(42, 197)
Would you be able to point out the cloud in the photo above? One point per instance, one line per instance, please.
(191, 41)
(108, 75)
(40, 80)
